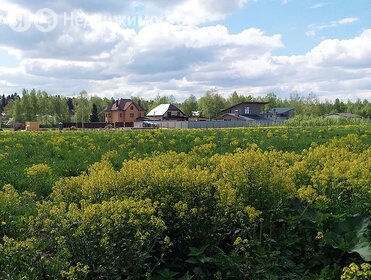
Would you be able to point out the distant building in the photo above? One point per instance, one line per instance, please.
(246, 108)
(166, 112)
(123, 111)
(249, 111)
(344, 115)
(280, 114)
(236, 117)
(32, 126)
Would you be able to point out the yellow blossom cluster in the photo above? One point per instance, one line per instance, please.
(41, 169)
(355, 272)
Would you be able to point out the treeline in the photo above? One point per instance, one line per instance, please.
(6, 99)
(51, 109)
(212, 103)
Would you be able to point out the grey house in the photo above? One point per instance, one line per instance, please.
(252, 111)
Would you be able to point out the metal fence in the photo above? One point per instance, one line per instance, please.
(210, 124)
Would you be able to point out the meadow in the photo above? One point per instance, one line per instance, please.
(251, 203)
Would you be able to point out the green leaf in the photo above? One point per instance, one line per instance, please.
(192, 261)
(186, 277)
(196, 252)
(167, 274)
(352, 235)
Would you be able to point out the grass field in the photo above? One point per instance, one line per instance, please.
(251, 203)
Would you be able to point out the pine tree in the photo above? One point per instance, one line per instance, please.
(94, 117)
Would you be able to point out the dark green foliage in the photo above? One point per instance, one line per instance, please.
(94, 117)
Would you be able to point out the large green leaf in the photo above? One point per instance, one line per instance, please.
(352, 235)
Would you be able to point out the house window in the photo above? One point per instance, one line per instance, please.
(131, 108)
(131, 115)
(169, 114)
(247, 110)
(120, 115)
(178, 113)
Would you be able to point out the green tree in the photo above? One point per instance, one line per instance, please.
(2, 103)
(18, 111)
(59, 109)
(101, 104)
(94, 117)
(145, 104)
(27, 107)
(44, 108)
(235, 98)
(162, 100)
(273, 101)
(82, 112)
(339, 106)
(211, 104)
(189, 105)
(34, 104)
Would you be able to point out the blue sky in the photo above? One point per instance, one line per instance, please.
(293, 19)
(183, 47)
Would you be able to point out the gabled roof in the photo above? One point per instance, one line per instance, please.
(161, 110)
(280, 110)
(108, 108)
(122, 105)
(242, 117)
(233, 116)
(245, 103)
(345, 115)
(255, 117)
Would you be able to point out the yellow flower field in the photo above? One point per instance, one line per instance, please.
(277, 203)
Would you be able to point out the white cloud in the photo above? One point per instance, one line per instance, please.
(176, 11)
(172, 57)
(347, 20)
(312, 28)
(199, 11)
(319, 5)
(310, 33)
(354, 52)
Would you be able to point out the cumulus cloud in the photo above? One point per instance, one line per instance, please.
(199, 11)
(354, 52)
(112, 6)
(176, 11)
(177, 56)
